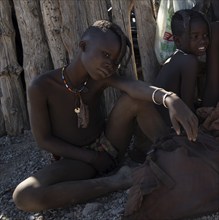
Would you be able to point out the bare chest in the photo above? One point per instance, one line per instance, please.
(63, 106)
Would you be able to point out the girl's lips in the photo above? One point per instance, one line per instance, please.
(103, 73)
(202, 49)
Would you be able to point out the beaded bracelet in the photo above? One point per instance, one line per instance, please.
(164, 98)
(153, 96)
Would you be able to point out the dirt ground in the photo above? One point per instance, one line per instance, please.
(20, 157)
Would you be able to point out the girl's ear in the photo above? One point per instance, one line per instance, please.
(176, 40)
(82, 45)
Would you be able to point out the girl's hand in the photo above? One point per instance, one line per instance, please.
(180, 114)
(103, 162)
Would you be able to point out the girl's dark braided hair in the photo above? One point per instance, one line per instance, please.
(105, 25)
(181, 20)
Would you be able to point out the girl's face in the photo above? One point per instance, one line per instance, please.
(198, 40)
(101, 55)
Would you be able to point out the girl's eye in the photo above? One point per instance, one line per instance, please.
(194, 36)
(205, 35)
(107, 55)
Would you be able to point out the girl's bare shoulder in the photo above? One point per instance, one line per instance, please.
(45, 78)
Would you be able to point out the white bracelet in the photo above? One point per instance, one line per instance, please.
(153, 96)
(164, 98)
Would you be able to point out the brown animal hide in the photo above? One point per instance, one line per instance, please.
(179, 179)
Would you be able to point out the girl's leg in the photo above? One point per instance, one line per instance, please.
(121, 122)
(64, 182)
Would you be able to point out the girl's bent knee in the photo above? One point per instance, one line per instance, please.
(21, 198)
(133, 104)
(26, 198)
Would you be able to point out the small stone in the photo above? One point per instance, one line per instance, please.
(31, 217)
(90, 208)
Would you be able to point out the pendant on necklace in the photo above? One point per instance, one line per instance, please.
(77, 110)
(81, 110)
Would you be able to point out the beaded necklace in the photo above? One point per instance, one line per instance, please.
(68, 87)
(80, 108)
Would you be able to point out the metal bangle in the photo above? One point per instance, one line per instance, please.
(164, 98)
(153, 96)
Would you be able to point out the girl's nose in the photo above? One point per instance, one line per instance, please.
(204, 40)
(109, 65)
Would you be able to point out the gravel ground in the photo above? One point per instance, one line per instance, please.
(21, 157)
